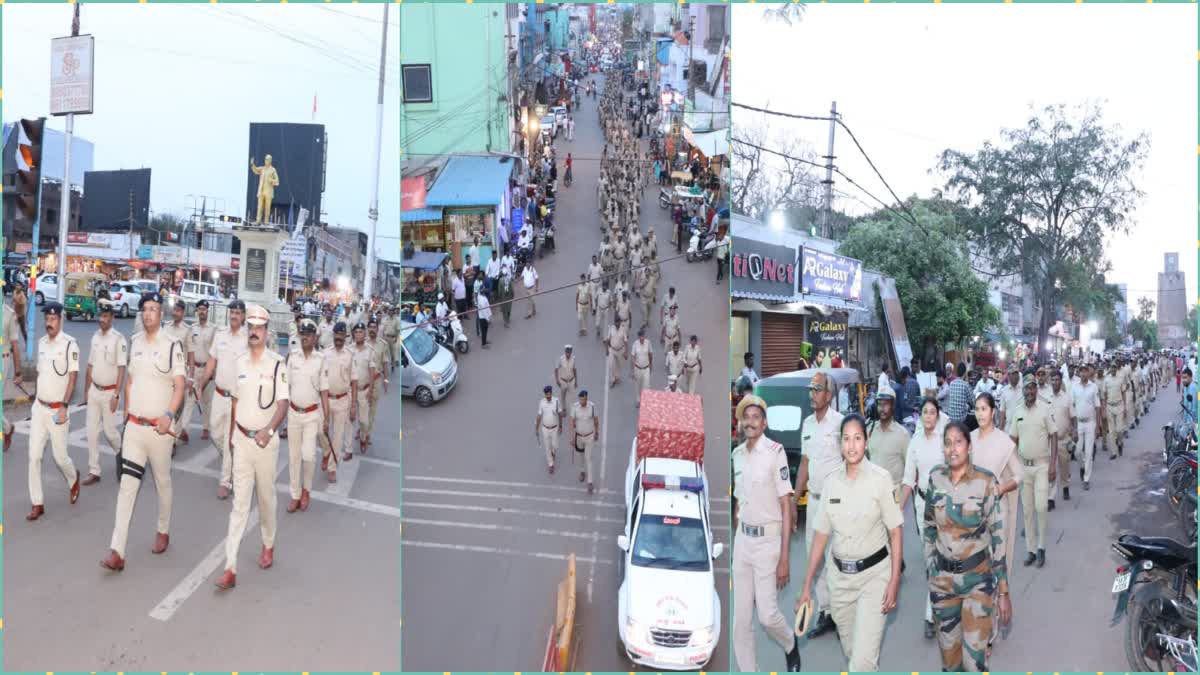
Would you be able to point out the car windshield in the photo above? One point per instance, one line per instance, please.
(420, 346)
(670, 542)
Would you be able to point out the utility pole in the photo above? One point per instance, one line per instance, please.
(487, 75)
(373, 212)
(131, 224)
(829, 173)
(64, 203)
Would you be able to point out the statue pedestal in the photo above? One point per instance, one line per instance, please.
(258, 276)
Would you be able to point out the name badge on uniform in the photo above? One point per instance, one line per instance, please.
(835, 500)
(783, 473)
(807, 437)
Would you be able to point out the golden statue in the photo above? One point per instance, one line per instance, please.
(267, 182)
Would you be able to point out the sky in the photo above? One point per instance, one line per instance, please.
(177, 87)
(913, 80)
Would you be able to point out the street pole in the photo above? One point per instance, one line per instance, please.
(64, 203)
(829, 173)
(373, 213)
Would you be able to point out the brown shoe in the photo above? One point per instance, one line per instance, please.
(204, 434)
(74, 494)
(92, 479)
(36, 512)
(267, 558)
(227, 580)
(347, 456)
(7, 442)
(333, 476)
(303, 500)
(113, 562)
(160, 543)
(550, 469)
(222, 492)
(184, 438)
(582, 476)
(324, 462)
(293, 505)
(590, 488)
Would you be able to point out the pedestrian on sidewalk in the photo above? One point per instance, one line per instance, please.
(529, 277)
(484, 312)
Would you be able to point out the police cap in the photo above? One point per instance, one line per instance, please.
(150, 297)
(750, 400)
(52, 309)
(307, 326)
(340, 327)
(237, 304)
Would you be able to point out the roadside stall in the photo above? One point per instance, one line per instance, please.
(423, 274)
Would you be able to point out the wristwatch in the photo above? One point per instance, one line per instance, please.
(273, 432)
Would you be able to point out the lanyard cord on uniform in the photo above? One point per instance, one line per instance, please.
(66, 363)
(274, 384)
(170, 358)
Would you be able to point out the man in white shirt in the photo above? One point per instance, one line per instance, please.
(441, 310)
(1086, 396)
(508, 265)
(492, 271)
(884, 379)
(483, 310)
(748, 371)
(722, 254)
(529, 278)
(986, 384)
(459, 289)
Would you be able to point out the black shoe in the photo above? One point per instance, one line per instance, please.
(1050, 507)
(1041, 557)
(1081, 474)
(793, 657)
(1086, 486)
(824, 625)
(928, 630)
(1066, 494)
(1029, 558)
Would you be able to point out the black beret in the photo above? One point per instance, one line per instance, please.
(237, 304)
(150, 297)
(52, 309)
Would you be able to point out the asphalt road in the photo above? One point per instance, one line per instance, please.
(487, 531)
(1060, 612)
(330, 602)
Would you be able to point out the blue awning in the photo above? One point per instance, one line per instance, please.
(420, 215)
(424, 260)
(468, 180)
(765, 297)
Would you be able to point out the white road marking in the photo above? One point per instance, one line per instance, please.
(376, 460)
(501, 483)
(347, 473)
(504, 528)
(350, 502)
(501, 551)
(604, 423)
(507, 511)
(520, 497)
(592, 567)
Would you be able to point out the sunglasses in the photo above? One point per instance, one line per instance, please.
(817, 387)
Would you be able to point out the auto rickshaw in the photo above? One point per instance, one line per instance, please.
(789, 402)
(82, 291)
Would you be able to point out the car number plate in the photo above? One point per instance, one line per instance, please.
(1121, 583)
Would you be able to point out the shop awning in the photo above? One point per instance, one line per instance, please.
(763, 297)
(424, 260)
(469, 180)
(712, 143)
(420, 215)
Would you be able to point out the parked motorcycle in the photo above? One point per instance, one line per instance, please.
(451, 336)
(664, 198)
(701, 246)
(1157, 588)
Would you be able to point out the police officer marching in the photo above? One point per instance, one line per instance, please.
(228, 345)
(693, 364)
(379, 380)
(565, 374)
(1031, 426)
(254, 424)
(762, 520)
(306, 414)
(547, 425)
(585, 425)
(338, 396)
(179, 331)
(12, 354)
(107, 358)
(200, 345)
(57, 369)
(156, 374)
(364, 378)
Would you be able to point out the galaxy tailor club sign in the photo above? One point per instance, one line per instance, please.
(832, 275)
(757, 267)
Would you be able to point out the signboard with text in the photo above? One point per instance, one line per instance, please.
(72, 75)
(757, 267)
(831, 275)
(827, 335)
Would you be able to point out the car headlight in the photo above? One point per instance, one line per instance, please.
(636, 633)
(703, 636)
(437, 378)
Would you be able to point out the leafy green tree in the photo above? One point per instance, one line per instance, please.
(943, 300)
(1042, 201)
(1144, 330)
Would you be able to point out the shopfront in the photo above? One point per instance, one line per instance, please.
(474, 197)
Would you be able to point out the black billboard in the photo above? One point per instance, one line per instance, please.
(298, 154)
(116, 201)
(827, 335)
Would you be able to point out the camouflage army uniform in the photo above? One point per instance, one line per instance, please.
(964, 524)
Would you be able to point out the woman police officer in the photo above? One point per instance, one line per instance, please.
(862, 518)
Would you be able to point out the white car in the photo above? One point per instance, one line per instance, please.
(549, 125)
(125, 296)
(46, 287)
(668, 611)
(560, 116)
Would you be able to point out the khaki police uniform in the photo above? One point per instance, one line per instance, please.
(564, 377)
(200, 342)
(583, 305)
(673, 362)
(390, 328)
(548, 421)
(857, 515)
(364, 370)
(56, 360)
(1062, 407)
(1086, 399)
(640, 352)
(820, 444)
(617, 341)
(1008, 398)
(691, 367)
(585, 434)
(156, 367)
(1033, 428)
(595, 275)
(380, 361)
(887, 448)
(261, 384)
(623, 310)
(1114, 409)
(181, 333)
(603, 301)
(108, 354)
(997, 453)
(12, 340)
(760, 479)
(227, 348)
(670, 331)
(325, 334)
(304, 417)
(336, 378)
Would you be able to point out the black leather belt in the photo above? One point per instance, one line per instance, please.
(960, 566)
(856, 566)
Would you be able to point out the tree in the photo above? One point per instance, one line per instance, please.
(786, 13)
(168, 225)
(1042, 202)
(943, 300)
(1144, 330)
(1145, 309)
(765, 181)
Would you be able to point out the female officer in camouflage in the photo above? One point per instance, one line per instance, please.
(965, 554)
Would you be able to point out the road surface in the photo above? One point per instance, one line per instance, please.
(1060, 612)
(486, 530)
(330, 602)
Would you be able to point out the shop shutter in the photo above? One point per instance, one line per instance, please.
(781, 338)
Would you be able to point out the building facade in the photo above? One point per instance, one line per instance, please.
(1172, 304)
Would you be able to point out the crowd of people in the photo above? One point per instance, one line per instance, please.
(966, 453)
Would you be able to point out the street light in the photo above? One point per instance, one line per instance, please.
(1091, 326)
(777, 220)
